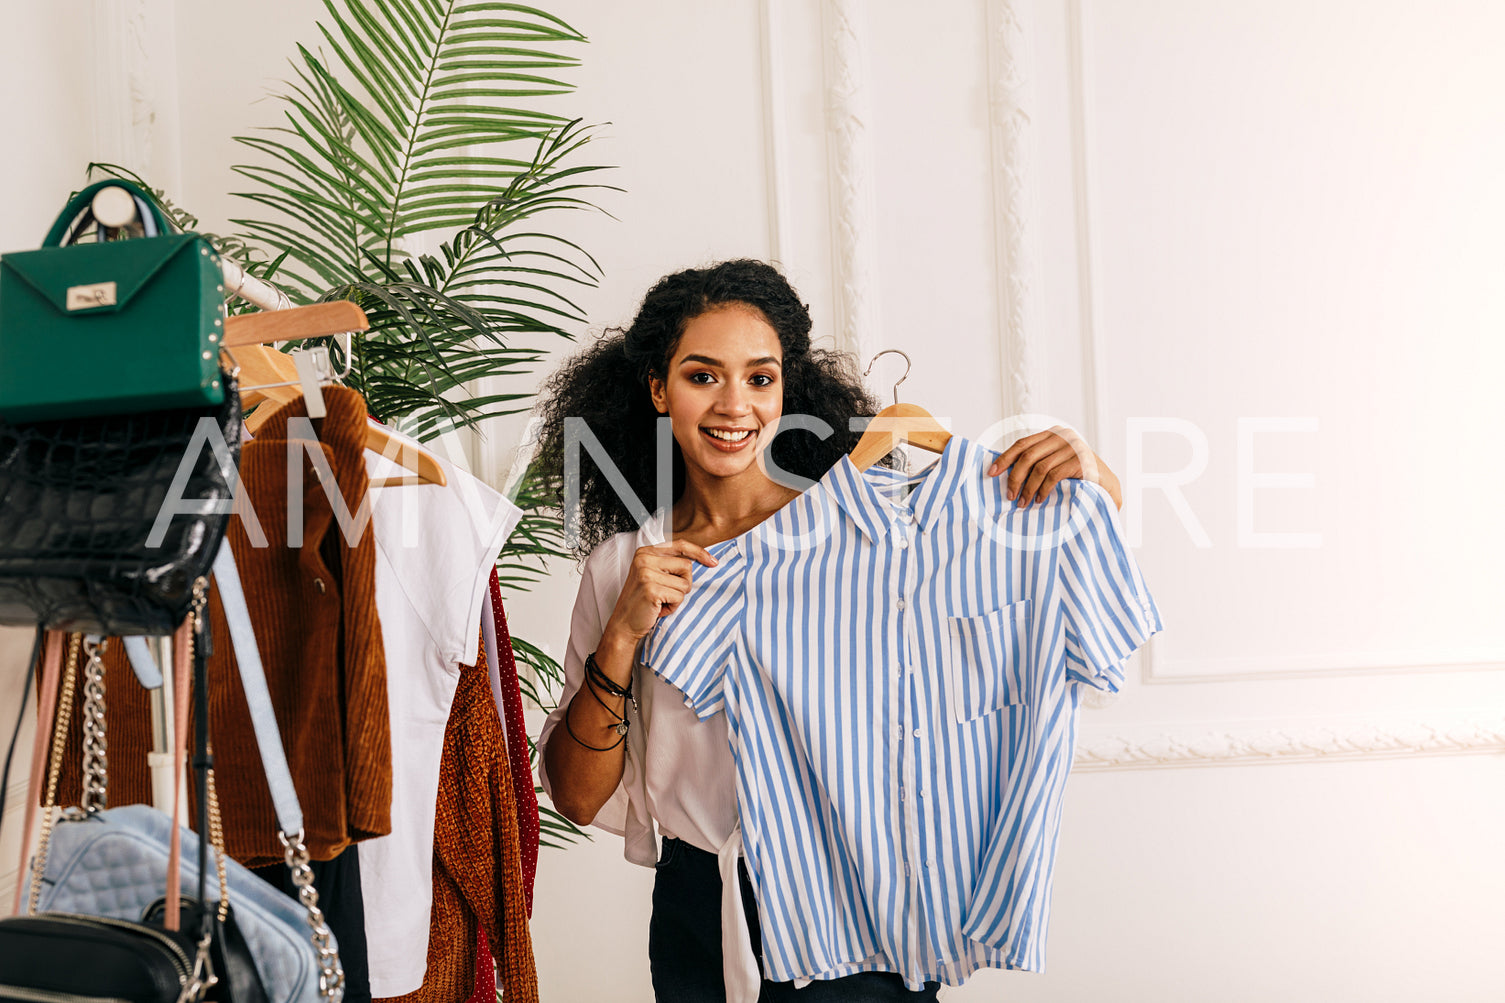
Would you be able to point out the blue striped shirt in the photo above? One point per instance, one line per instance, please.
(899, 662)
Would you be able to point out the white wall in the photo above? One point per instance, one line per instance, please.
(1196, 211)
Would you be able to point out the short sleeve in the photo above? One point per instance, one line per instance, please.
(441, 543)
(695, 648)
(1109, 612)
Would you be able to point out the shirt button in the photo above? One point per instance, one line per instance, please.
(899, 732)
(901, 604)
(917, 733)
(902, 543)
(922, 792)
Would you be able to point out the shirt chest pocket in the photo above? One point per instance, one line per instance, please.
(984, 661)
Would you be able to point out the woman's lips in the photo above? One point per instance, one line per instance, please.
(729, 445)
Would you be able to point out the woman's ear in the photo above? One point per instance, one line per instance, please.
(656, 391)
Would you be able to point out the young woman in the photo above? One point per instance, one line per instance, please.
(723, 352)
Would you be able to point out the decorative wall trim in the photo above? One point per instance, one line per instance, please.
(124, 100)
(1305, 743)
(849, 155)
(10, 865)
(133, 74)
(1010, 111)
(1154, 669)
(1081, 186)
(775, 134)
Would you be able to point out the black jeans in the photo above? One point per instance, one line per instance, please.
(684, 942)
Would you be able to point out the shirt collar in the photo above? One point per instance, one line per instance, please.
(655, 531)
(866, 497)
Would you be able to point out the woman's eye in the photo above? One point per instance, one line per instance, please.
(762, 380)
(702, 378)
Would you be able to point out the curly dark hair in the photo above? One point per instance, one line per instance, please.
(607, 386)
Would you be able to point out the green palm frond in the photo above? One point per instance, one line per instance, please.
(556, 831)
(420, 134)
(537, 540)
(416, 123)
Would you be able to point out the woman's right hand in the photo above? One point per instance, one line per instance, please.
(657, 581)
(586, 766)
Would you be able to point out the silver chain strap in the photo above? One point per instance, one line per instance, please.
(96, 762)
(331, 974)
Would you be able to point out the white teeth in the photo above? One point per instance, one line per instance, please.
(729, 436)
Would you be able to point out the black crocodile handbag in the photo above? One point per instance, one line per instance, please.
(107, 522)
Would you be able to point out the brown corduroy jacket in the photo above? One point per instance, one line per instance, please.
(313, 610)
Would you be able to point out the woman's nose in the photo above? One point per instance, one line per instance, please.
(733, 400)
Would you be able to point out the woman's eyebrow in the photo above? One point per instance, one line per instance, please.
(706, 360)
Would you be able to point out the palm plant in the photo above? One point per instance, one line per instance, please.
(415, 134)
(419, 141)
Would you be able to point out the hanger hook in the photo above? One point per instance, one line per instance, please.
(907, 366)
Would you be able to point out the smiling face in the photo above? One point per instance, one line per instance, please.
(723, 390)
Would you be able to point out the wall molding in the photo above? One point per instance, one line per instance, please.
(124, 100)
(1296, 743)
(1079, 103)
(10, 866)
(849, 155)
(1154, 666)
(775, 132)
(1011, 103)
(133, 117)
(1154, 670)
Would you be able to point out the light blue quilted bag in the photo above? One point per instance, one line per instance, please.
(112, 863)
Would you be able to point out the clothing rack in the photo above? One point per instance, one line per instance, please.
(257, 292)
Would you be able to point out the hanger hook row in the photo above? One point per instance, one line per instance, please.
(908, 364)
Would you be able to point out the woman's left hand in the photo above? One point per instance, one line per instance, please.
(1037, 463)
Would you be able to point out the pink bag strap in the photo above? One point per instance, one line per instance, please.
(54, 645)
(52, 671)
(182, 676)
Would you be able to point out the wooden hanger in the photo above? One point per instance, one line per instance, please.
(425, 469)
(316, 321)
(897, 424)
(260, 366)
(245, 335)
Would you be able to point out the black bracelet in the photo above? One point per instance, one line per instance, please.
(594, 674)
(570, 730)
(621, 725)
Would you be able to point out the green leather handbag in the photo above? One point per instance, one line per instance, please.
(112, 327)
